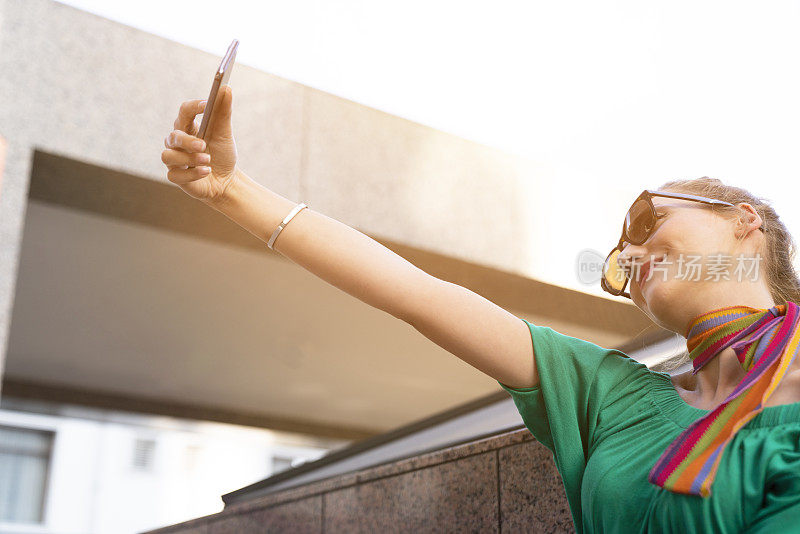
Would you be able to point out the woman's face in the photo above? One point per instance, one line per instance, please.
(689, 263)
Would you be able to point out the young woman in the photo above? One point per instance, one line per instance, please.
(716, 449)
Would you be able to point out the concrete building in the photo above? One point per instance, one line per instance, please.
(74, 469)
(119, 292)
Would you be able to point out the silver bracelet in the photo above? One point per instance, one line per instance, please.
(283, 224)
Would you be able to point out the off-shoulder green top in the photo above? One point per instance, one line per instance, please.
(608, 418)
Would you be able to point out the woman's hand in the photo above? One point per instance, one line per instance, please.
(204, 169)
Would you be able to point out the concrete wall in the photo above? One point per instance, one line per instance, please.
(87, 88)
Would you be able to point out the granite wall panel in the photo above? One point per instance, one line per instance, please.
(502, 483)
(532, 494)
(459, 496)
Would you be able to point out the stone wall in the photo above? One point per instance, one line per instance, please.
(504, 483)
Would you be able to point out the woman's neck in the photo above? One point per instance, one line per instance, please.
(719, 377)
(714, 381)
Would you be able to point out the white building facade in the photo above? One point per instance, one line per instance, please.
(88, 471)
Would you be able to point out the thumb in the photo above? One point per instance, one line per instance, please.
(222, 111)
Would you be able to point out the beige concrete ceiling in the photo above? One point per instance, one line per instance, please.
(160, 313)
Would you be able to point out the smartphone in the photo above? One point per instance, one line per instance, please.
(220, 79)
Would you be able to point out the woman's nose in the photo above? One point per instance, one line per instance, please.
(630, 254)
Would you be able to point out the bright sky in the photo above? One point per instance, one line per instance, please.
(626, 92)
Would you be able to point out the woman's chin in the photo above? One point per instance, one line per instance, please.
(653, 294)
(662, 297)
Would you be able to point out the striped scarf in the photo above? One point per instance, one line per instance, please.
(765, 342)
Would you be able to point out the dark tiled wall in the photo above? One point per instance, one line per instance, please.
(506, 483)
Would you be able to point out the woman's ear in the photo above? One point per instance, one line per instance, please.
(749, 220)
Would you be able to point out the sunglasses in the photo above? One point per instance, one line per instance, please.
(640, 221)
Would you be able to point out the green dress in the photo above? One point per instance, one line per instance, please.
(608, 418)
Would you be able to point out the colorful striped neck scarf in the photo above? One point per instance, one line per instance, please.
(765, 342)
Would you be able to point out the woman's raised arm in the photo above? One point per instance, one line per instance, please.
(462, 322)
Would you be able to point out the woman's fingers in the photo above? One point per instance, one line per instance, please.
(177, 158)
(187, 156)
(179, 176)
(180, 140)
(186, 114)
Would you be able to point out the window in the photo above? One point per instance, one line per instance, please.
(24, 464)
(143, 454)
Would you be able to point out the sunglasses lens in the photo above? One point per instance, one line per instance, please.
(639, 220)
(614, 275)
